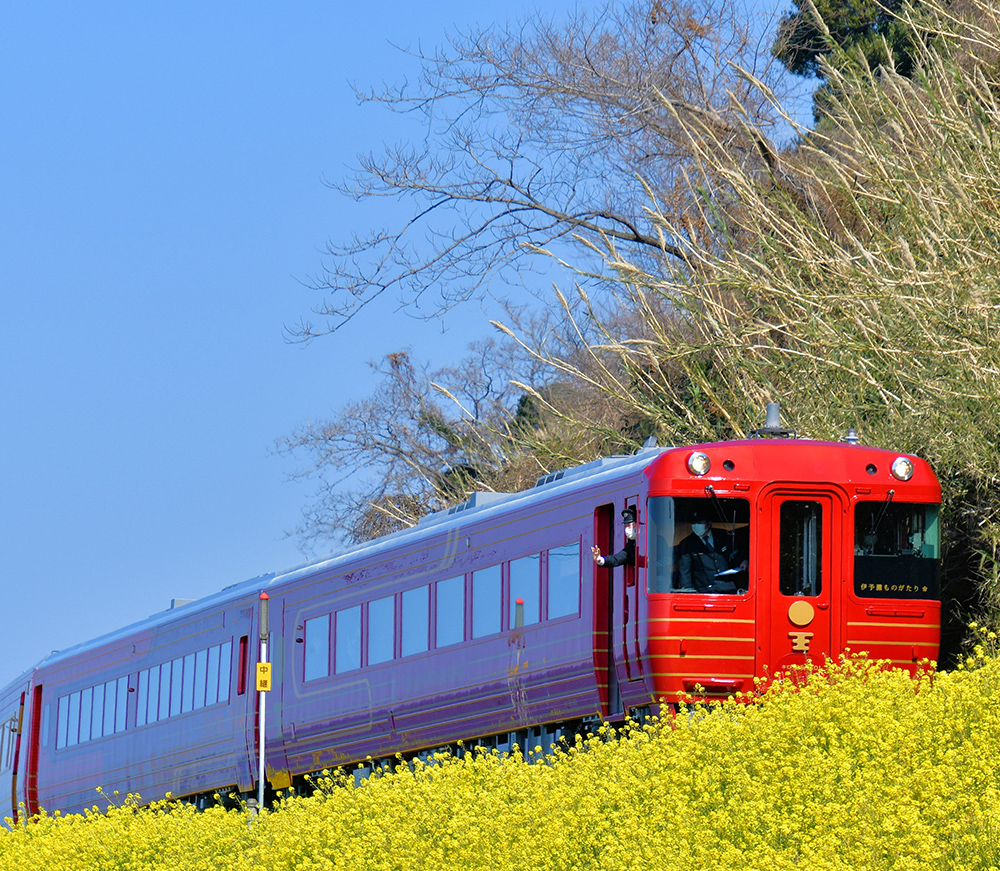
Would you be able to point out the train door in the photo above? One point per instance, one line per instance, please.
(802, 531)
(34, 736)
(617, 602)
(633, 602)
(12, 753)
(607, 616)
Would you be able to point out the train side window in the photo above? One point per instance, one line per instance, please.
(110, 701)
(526, 585)
(176, 685)
(83, 715)
(164, 691)
(212, 687)
(86, 697)
(564, 580)
(163, 711)
(800, 545)
(62, 723)
(121, 706)
(153, 694)
(73, 736)
(9, 728)
(97, 713)
(486, 592)
(241, 677)
(450, 611)
(225, 669)
(415, 617)
(200, 678)
(348, 640)
(317, 647)
(141, 697)
(187, 699)
(381, 628)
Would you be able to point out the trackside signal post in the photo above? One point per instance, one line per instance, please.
(263, 685)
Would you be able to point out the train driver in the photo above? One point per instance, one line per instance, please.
(708, 561)
(626, 556)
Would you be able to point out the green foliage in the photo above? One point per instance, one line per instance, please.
(838, 31)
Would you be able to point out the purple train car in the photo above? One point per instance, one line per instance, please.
(491, 622)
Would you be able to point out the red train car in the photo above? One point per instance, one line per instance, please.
(836, 549)
(492, 621)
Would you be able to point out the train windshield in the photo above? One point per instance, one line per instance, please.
(698, 545)
(896, 550)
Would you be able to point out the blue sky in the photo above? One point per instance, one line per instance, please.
(161, 206)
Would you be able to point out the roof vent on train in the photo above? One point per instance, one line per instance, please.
(573, 472)
(595, 466)
(772, 427)
(477, 500)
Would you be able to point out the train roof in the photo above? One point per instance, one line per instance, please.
(480, 505)
(485, 505)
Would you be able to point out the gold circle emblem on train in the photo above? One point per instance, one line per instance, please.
(801, 613)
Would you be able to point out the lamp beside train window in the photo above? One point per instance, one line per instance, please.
(698, 463)
(902, 469)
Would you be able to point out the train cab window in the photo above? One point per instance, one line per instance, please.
(317, 647)
(697, 545)
(348, 640)
(896, 550)
(800, 543)
(415, 616)
(381, 629)
(486, 593)
(564, 580)
(526, 586)
(449, 612)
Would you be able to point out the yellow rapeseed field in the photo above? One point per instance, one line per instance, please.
(855, 768)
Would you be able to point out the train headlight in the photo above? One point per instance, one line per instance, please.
(902, 469)
(698, 463)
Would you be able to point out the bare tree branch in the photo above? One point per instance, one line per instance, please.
(545, 134)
